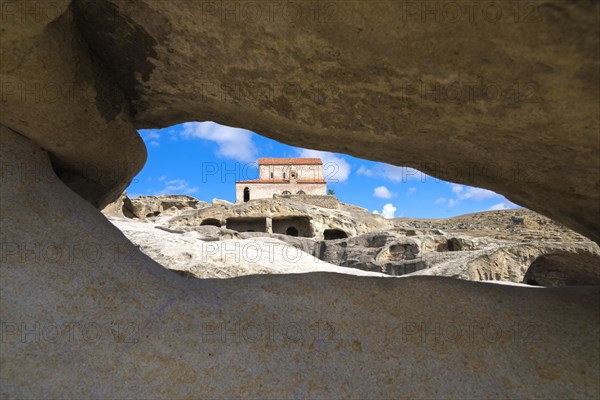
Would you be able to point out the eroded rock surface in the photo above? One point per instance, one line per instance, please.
(142, 331)
(508, 102)
(510, 105)
(54, 93)
(211, 252)
(371, 79)
(311, 220)
(491, 245)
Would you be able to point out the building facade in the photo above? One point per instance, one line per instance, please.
(283, 176)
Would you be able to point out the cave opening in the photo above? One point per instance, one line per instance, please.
(291, 231)
(451, 244)
(211, 221)
(333, 234)
(563, 269)
(293, 226)
(231, 155)
(255, 224)
(362, 188)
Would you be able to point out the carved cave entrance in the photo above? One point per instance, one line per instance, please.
(247, 224)
(211, 221)
(563, 269)
(293, 226)
(333, 234)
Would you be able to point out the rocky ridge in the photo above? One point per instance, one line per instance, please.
(492, 245)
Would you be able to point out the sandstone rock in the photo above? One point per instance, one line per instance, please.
(560, 268)
(141, 331)
(489, 119)
(219, 202)
(513, 261)
(154, 206)
(346, 219)
(79, 80)
(55, 93)
(495, 245)
(211, 252)
(344, 84)
(121, 208)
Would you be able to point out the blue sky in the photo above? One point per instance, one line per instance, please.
(204, 159)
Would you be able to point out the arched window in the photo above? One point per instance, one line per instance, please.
(293, 174)
(284, 175)
(246, 194)
(286, 192)
(291, 231)
(300, 192)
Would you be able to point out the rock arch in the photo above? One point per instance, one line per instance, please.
(137, 63)
(176, 94)
(564, 269)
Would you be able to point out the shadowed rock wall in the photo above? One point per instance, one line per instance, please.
(502, 96)
(86, 315)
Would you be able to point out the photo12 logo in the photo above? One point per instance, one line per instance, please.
(469, 11)
(89, 332)
(215, 332)
(469, 332)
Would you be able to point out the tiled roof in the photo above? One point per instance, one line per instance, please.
(281, 181)
(290, 161)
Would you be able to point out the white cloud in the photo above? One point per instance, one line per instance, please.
(503, 205)
(150, 135)
(472, 193)
(178, 186)
(456, 189)
(410, 191)
(452, 202)
(233, 143)
(335, 168)
(362, 170)
(383, 193)
(162, 178)
(388, 211)
(463, 192)
(392, 173)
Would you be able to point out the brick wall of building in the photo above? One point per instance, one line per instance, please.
(303, 172)
(267, 190)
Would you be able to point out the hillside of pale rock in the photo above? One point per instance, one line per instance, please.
(492, 245)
